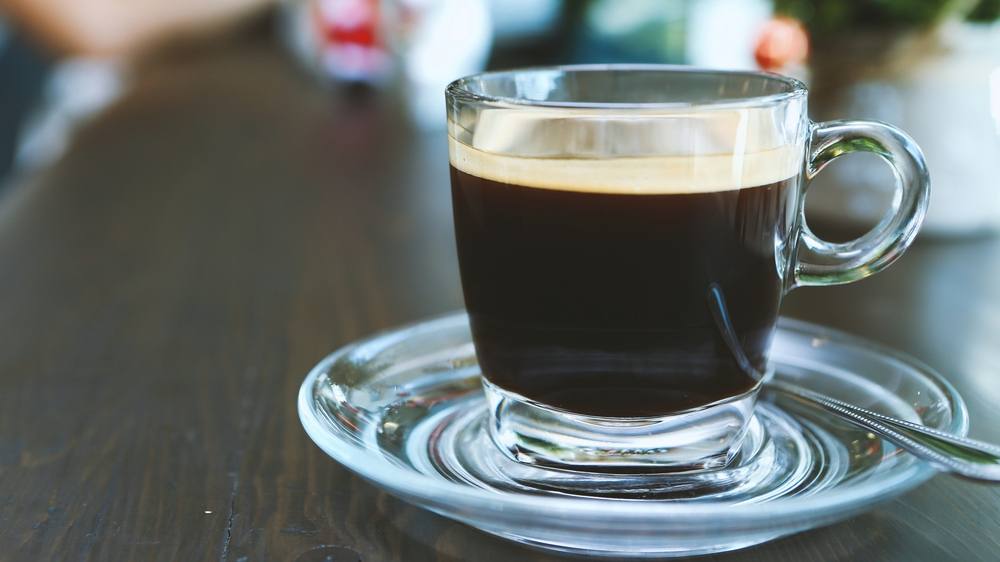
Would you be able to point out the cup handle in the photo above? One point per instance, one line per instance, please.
(880, 247)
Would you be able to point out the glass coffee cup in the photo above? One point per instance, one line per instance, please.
(625, 235)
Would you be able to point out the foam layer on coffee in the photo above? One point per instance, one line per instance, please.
(633, 175)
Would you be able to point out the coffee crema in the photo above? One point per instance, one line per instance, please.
(605, 286)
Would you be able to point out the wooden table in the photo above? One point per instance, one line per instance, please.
(166, 286)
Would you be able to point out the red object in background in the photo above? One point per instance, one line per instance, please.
(349, 42)
(783, 41)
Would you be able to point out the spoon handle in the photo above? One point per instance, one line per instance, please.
(961, 456)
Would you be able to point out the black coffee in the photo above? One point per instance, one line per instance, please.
(615, 304)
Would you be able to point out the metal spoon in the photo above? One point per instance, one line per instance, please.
(961, 456)
(967, 458)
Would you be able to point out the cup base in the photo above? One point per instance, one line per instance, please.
(534, 433)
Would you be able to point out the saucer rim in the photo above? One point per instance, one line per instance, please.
(430, 492)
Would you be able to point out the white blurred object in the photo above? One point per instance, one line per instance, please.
(722, 33)
(350, 43)
(517, 20)
(435, 42)
(949, 101)
(342, 40)
(77, 89)
(426, 45)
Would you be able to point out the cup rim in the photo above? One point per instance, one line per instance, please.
(790, 88)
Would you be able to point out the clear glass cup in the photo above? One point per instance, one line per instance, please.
(625, 235)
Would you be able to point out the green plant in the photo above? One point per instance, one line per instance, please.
(825, 18)
(985, 11)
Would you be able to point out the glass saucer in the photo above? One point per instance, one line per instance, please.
(405, 410)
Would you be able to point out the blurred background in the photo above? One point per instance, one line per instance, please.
(201, 198)
(929, 66)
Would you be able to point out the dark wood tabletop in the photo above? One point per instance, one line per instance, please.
(165, 287)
